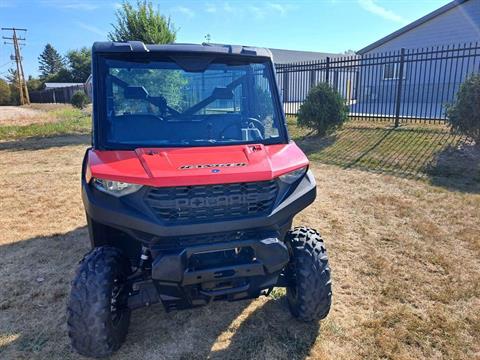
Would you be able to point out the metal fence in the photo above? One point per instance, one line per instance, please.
(56, 95)
(405, 85)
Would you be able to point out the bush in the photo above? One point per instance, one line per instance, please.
(5, 93)
(324, 110)
(464, 115)
(14, 95)
(79, 99)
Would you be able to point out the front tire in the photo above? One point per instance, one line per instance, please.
(97, 313)
(310, 293)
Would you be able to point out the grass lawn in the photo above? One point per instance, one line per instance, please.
(405, 258)
(418, 150)
(405, 254)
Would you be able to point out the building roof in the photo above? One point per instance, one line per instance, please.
(411, 26)
(52, 85)
(283, 56)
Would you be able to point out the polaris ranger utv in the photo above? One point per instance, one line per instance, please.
(190, 188)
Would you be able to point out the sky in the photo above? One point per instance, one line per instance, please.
(327, 26)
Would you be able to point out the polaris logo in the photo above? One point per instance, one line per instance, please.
(197, 202)
(216, 201)
(209, 166)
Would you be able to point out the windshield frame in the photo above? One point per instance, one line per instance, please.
(100, 125)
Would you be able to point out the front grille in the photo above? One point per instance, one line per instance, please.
(210, 203)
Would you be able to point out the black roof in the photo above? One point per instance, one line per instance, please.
(411, 26)
(140, 47)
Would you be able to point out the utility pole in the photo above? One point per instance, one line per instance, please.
(22, 84)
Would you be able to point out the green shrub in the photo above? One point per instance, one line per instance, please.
(464, 115)
(324, 110)
(14, 95)
(79, 99)
(5, 93)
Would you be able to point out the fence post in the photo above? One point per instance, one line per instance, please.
(327, 71)
(399, 87)
(312, 78)
(285, 85)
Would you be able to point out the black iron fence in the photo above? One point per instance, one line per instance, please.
(405, 85)
(55, 95)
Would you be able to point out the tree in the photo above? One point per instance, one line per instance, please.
(324, 110)
(62, 76)
(5, 93)
(157, 82)
(12, 78)
(79, 63)
(464, 115)
(142, 23)
(51, 62)
(34, 84)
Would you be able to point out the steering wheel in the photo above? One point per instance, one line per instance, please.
(258, 125)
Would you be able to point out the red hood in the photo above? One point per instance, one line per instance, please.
(162, 167)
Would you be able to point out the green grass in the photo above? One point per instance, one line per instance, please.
(411, 149)
(69, 121)
(295, 131)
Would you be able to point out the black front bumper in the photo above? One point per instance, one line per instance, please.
(269, 256)
(181, 283)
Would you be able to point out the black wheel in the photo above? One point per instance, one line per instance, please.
(97, 311)
(310, 293)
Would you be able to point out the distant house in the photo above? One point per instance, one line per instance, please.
(56, 92)
(53, 85)
(457, 22)
(89, 87)
(283, 56)
(292, 84)
(454, 25)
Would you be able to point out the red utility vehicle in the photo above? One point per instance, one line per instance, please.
(190, 188)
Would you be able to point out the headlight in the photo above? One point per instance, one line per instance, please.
(293, 176)
(115, 188)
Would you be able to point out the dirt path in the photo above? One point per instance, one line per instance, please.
(405, 257)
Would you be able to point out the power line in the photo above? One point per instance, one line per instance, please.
(22, 84)
(7, 63)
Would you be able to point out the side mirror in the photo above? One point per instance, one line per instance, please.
(135, 92)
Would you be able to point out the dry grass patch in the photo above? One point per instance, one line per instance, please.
(21, 116)
(405, 259)
(31, 114)
(41, 120)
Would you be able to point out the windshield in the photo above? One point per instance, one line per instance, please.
(189, 102)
